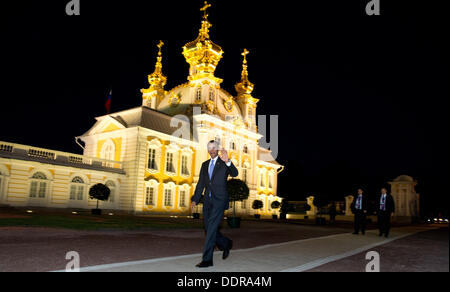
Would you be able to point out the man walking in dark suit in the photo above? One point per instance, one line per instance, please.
(385, 211)
(359, 208)
(213, 178)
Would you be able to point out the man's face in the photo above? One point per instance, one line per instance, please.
(212, 150)
(360, 192)
(383, 191)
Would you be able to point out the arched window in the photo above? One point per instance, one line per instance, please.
(184, 165)
(218, 140)
(108, 152)
(112, 187)
(38, 185)
(182, 198)
(245, 149)
(150, 196)
(211, 94)
(168, 197)
(199, 94)
(77, 186)
(151, 192)
(232, 145)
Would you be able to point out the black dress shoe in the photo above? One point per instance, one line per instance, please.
(226, 251)
(204, 264)
(356, 233)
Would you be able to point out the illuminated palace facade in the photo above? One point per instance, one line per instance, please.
(140, 155)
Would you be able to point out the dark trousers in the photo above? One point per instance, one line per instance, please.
(384, 222)
(212, 217)
(360, 221)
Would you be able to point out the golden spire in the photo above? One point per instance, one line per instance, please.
(245, 86)
(202, 54)
(157, 79)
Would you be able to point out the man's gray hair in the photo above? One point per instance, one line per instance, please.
(214, 142)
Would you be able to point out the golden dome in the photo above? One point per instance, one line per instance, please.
(202, 54)
(245, 86)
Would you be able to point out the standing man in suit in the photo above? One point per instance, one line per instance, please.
(385, 210)
(359, 208)
(213, 178)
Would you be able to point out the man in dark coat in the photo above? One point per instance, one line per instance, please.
(385, 210)
(213, 179)
(359, 208)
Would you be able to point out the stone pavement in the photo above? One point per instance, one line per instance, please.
(291, 256)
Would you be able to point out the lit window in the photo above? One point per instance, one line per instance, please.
(182, 198)
(38, 187)
(184, 165)
(169, 163)
(77, 189)
(152, 158)
(168, 197)
(199, 94)
(150, 196)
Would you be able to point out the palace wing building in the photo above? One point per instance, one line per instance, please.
(150, 156)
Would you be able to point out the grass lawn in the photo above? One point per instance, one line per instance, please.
(94, 222)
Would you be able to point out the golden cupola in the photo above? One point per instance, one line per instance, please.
(157, 80)
(202, 54)
(246, 101)
(244, 86)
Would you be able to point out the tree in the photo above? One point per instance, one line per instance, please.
(320, 201)
(238, 191)
(257, 204)
(100, 192)
(275, 205)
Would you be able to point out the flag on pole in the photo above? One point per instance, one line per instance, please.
(108, 102)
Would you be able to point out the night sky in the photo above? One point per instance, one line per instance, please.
(360, 99)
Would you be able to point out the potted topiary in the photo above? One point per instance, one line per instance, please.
(238, 191)
(320, 201)
(101, 193)
(257, 204)
(275, 205)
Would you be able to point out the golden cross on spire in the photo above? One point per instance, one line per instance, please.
(207, 5)
(160, 46)
(244, 53)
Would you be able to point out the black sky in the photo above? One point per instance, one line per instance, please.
(360, 99)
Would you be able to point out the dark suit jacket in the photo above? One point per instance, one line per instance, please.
(217, 185)
(390, 205)
(364, 204)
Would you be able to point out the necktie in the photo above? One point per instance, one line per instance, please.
(211, 168)
(383, 203)
(358, 203)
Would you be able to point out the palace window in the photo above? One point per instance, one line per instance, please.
(77, 189)
(270, 180)
(244, 204)
(152, 158)
(38, 187)
(169, 163)
(150, 196)
(245, 149)
(262, 184)
(199, 94)
(183, 198)
(218, 140)
(232, 145)
(168, 197)
(184, 165)
(211, 94)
